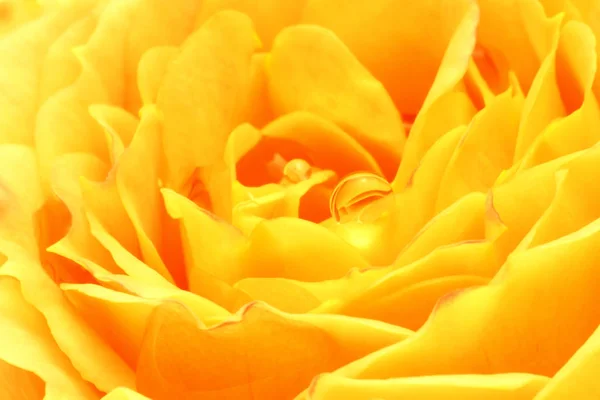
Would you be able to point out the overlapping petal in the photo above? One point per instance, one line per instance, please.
(310, 199)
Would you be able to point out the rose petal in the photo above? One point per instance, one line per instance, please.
(60, 67)
(124, 394)
(568, 211)
(260, 112)
(101, 201)
(270, 16)
(119, 127)
(519, 209)
(88, 353)
(223, 47)
(270, 250)
(68, 109)
(450, 387)
(297, 297)
(477, 87)
(343, 91)
(119, 318)
(20, 384)
(151, 71)
(27, 344)
(507, 329)
(412, 35)
(575, 378)
(425, 130)
(140, 194)
(406, 296)
(329, 146)
(79, 245)
(205, 269)
(527, 34)
(578, 130)
(284, 200)
(401, 216)
(461, 221)
(254, 347)
(484, 151)
(20, 74)
(555, 91)
(20, 196)
(156, 23)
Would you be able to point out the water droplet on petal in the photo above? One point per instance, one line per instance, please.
(356, 191)
(296, 170)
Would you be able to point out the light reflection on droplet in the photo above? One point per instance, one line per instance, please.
(297, 170)
(356, 191)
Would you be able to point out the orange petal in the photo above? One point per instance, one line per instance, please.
(531, 318)
(569, 211)
(101, 200)
(555, 92)
(20, 76)
(297, 249)
(223, 46)
(61, 68)
(449, 387)
(20, 384)
(213, 261)
(405, 296)
(152, 68)
(254, 348)
(106, 49)
(440, 100)
(68, 109)
(14, 14)
(462, 221)
(449, 112)
(270, 16)
(284, 200)
(119, 318)
(259, 113)
(156, 23)
(205, 309)
(311, 69)
(484, 151)
(586, 11)
(124, 394)
(398, 217)
(328, 146)
(411, 35)
(79, 245)
(301, 297)
(520, 202)
(285, 294)
(576, 377)
(20, 196)
(478, 89)
(526, 34)
(89, 354)
(129, 263)
(27, 345)
(576, 61)
(139, 192)
(119, 127)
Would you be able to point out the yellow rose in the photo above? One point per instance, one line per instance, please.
(318, 199)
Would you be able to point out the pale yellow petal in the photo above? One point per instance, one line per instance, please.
(448, 387)
(27, 343)
(223, 46)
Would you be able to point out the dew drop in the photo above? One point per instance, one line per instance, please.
(356, 191)
(296, 170)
